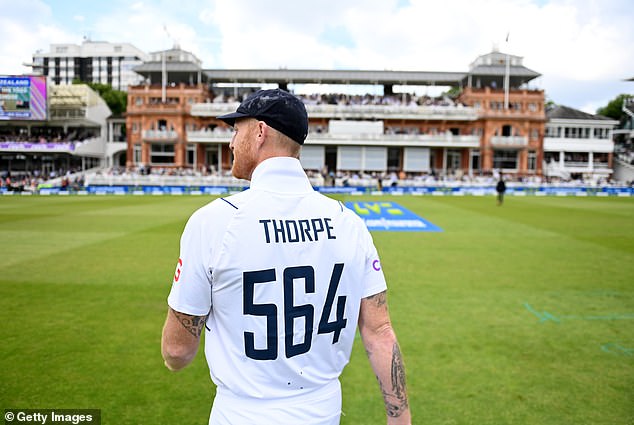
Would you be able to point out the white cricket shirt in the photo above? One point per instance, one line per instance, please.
(281, 270)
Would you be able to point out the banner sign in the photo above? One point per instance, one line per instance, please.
(391, 216)
(23, 98)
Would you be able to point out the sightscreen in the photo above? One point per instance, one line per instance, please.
(23, 98)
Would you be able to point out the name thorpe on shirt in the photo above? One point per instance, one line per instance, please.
(291, 231)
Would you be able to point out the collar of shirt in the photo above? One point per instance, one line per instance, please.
(280, 174)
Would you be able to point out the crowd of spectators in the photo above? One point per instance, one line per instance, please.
(452, 178)
(625, 152)
(74, 180)
(21, 183)
(46, 134)
(32, 181)
(357, 178)
(432, 178)
(404, 99)
(396, 99)
(146, 170)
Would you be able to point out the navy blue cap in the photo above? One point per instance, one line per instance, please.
(281, 110)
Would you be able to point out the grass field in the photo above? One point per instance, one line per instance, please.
(520, 314)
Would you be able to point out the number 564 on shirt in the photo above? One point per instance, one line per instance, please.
(291, 311)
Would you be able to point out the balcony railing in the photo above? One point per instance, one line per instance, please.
(585, 165)
(438, 140)
(576, 164)
(65, 114)
(209, 136)
(160, 135)
(213, 109)
(357, 111)
(157, 108)
(509, 141)
(391, 111)
(509, 113)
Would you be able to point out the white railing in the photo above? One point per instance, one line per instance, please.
(65, 114)
(516, 141)
(576, 164)
(381, 111)
(403, 139)
(216, 133)
(213, 109)
(355, 111)
(133, 179)
(224, 135)
(160, 134)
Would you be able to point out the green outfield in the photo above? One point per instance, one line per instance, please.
(520, 314)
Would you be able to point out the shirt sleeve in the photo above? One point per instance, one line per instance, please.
(374, 277)
(191, 287)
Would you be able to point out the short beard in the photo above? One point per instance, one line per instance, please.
(243, 168)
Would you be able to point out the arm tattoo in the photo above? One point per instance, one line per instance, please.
(379, 299)
(396, 400)
(193, 324)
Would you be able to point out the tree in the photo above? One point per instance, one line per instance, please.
(614, 109)
(549, 104)
(453, 92)
(116, 100)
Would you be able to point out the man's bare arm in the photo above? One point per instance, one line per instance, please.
(181, 337)
(385, 357)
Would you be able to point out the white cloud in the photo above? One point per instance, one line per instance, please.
(25, 28)
(151, 27)
(580, 41)
(574, 40)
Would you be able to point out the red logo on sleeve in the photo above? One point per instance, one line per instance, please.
(177, 274)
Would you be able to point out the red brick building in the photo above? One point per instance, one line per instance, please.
(495, 122)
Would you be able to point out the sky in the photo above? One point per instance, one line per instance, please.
(583, 49)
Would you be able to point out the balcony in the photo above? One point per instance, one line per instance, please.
(208, 136)
(361, 112)
(67, 114)
(439, 140)
(510, 114)
(160, 135)
(213, 109)
(157, 108)
(371, 112)
(559, 144)
(509, 141)
(565, 168)
(585, 166)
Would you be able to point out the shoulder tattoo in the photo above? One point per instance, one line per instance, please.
(379, 299)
